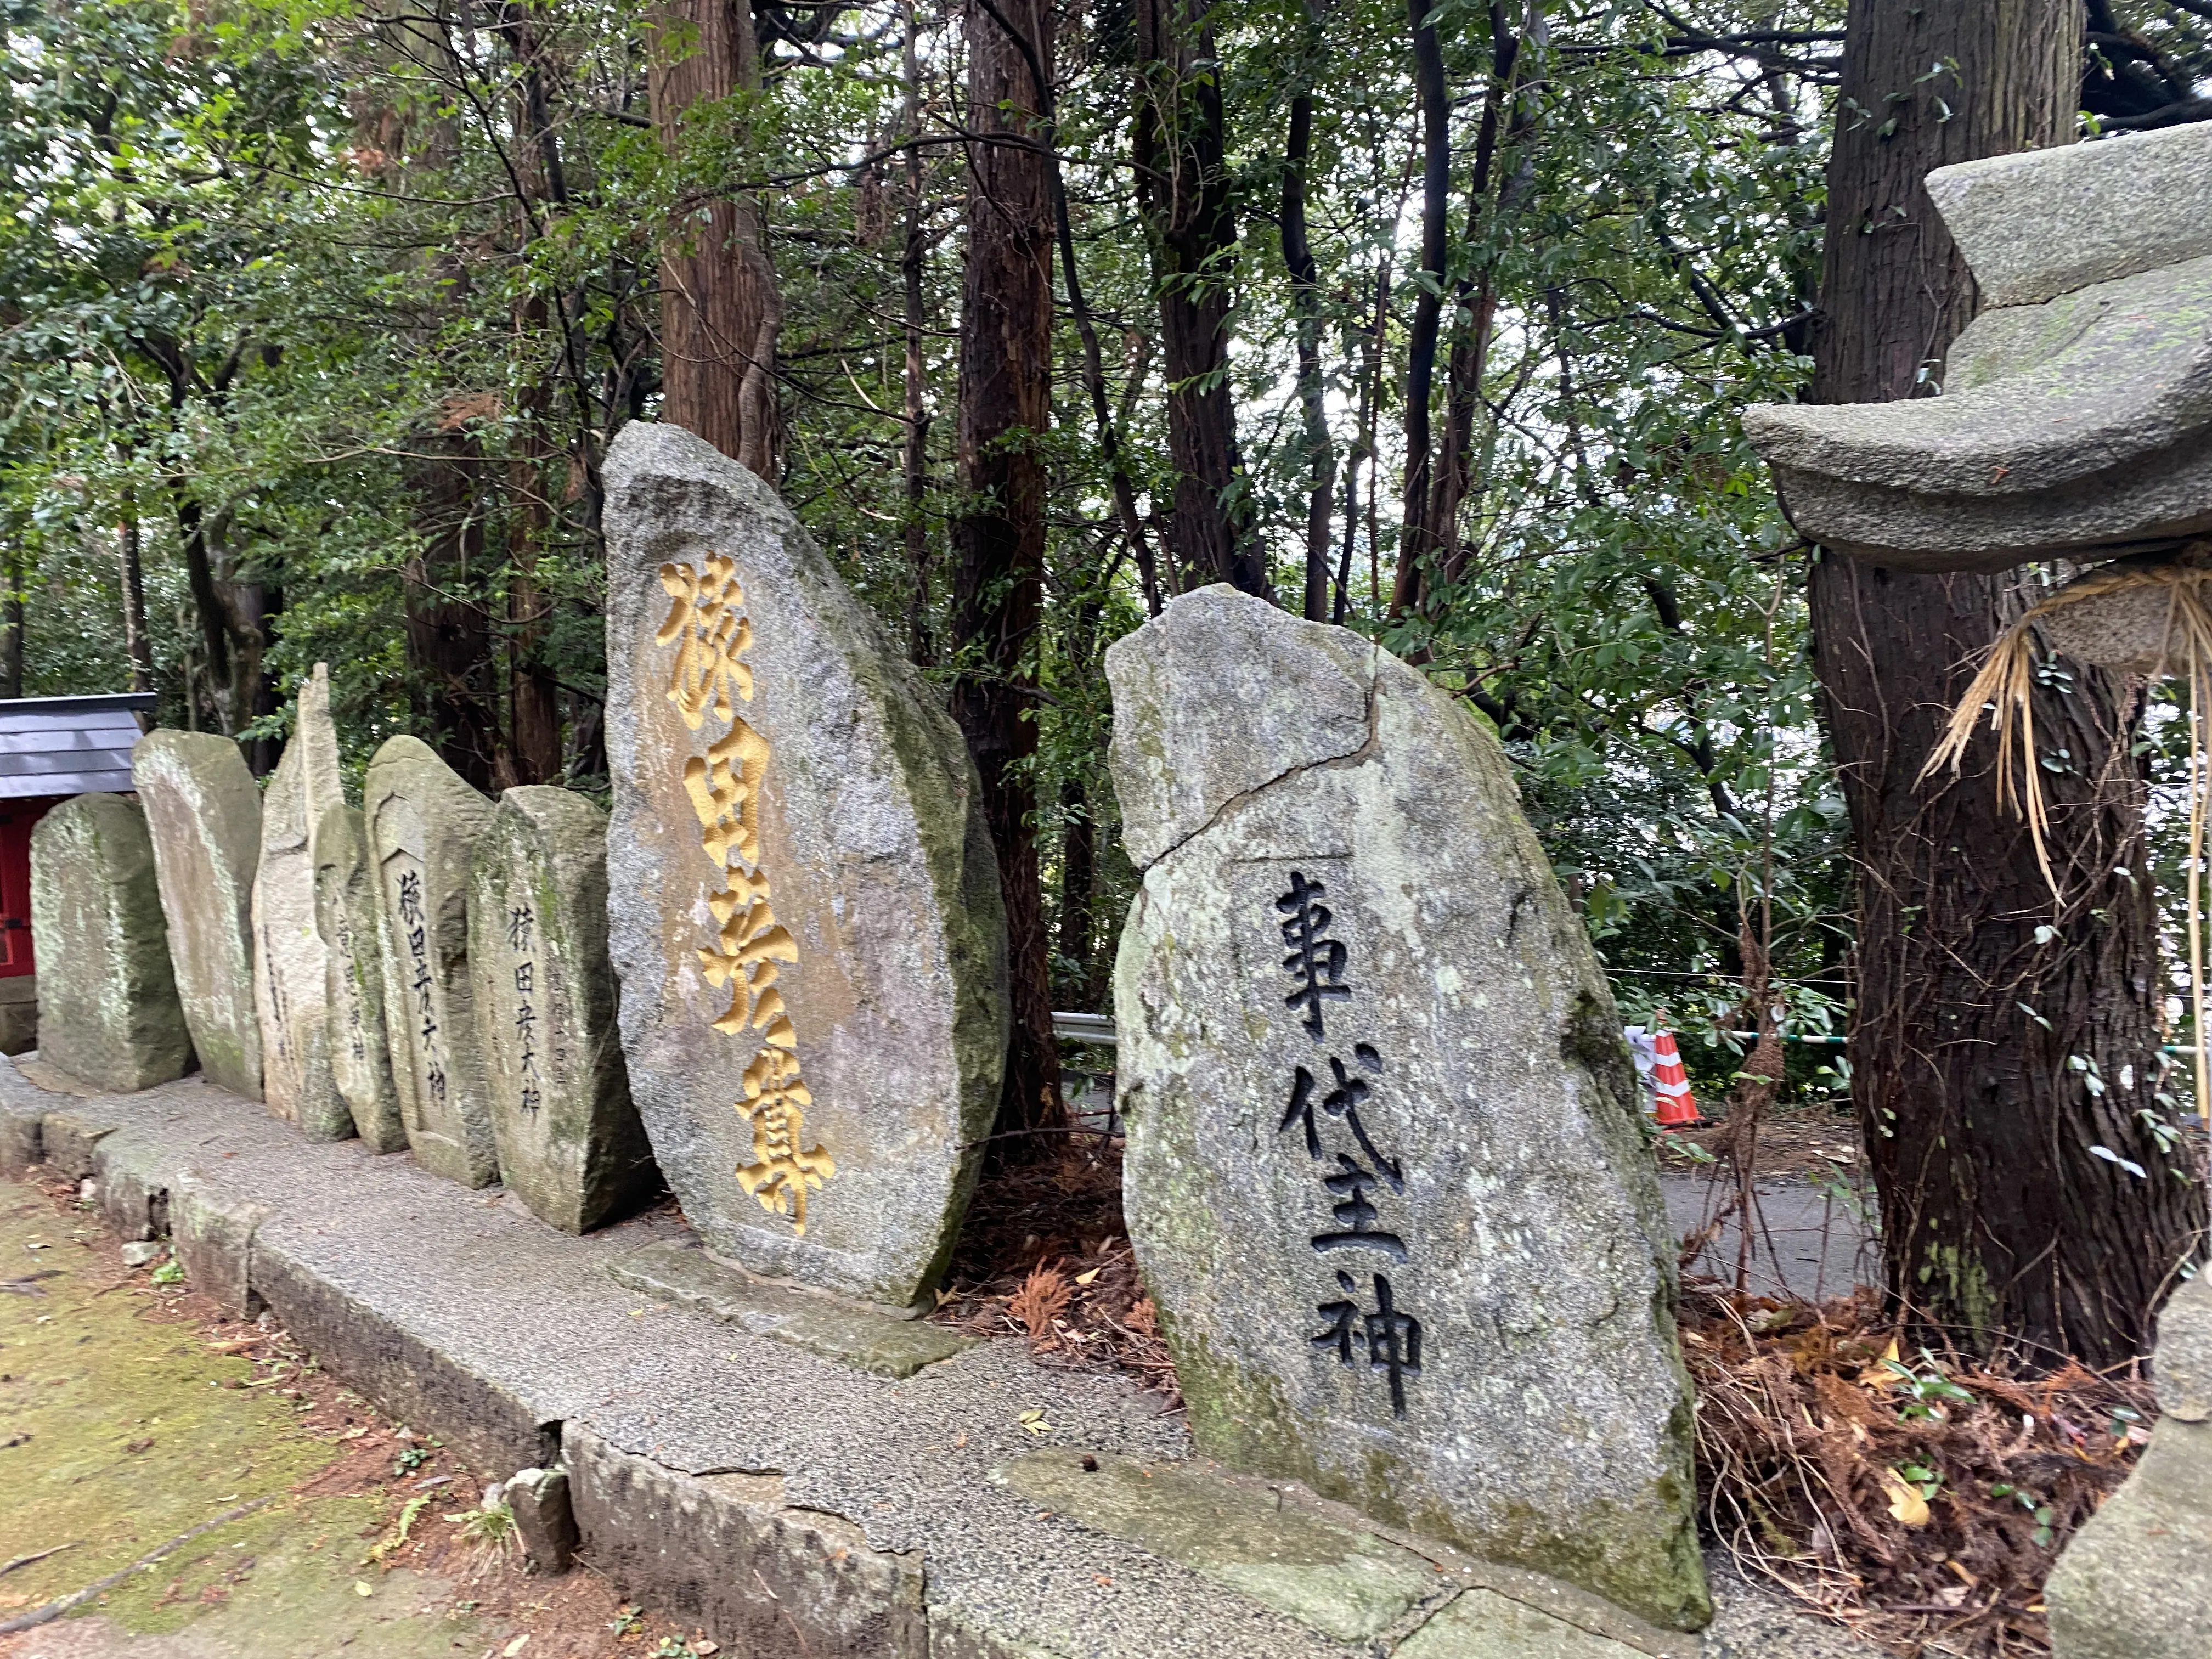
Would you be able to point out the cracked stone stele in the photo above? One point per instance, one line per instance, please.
(1385, 1178)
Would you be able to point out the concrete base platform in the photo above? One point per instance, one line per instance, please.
(19, 1013)
(785, 1501)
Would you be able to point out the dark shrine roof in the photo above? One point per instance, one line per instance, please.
(67, 745)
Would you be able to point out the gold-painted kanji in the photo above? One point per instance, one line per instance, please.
(725, 790)
(707, 627)
(780, 1173)
(708, 619)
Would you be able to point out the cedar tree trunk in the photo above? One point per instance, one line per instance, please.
(721, 311)
(2000, 1035)
(1183, 193)
(998, 574)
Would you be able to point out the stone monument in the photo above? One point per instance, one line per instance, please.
(2136, 1582)
(291, 967)
(423, 823)
(570, 1144)
(1385, 1178)
(108, 1011)
(805, 909)
(345, 917)
(204, 814)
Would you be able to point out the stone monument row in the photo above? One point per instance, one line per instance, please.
(202, 812)
(423, 823)
(1384, 1176)
(291, 964)
(804, 903)
(570, 1145)
(108, 1010)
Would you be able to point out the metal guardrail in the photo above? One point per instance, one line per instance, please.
(1083, 1028)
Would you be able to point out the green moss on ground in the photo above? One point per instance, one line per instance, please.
(88, 1377)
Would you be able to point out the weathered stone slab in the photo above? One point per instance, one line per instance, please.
(108, 1013)
(291, 966)
(214, 1231)
(1343, 1581)
(72, 1141)
(686, 1277)
(2134, 629)
(19, 1013)
(2042, 222)
(806, 919)
(346, 918)
(728, 1551)
(2136, 1582)
(2074, 411)
(493, 1418)
(1481, 1624)
(570, 1145)
(424, 823)
(1384, 1177)
(2093, 450)
(133, 1177)
(23, 1118)
(545, 1520)
(204, 813)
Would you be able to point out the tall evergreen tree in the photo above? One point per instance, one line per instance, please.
(2000, 1035)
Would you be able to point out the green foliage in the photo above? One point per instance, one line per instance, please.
(335, 310)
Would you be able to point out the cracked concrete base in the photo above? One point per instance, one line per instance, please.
(788, 1502)
(882, 1345)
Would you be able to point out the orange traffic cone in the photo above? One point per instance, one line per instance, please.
(1677, 1107)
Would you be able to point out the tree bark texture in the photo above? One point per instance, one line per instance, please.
(448, 633)
(449, 644)
(533, 699)
(532, 752)
(137, 645)
(1432, 96)
(1305, 307)
(237, 623)
(913, 259)
(1183, 191)
(721, 310)
(998, 543)
(1430, 550)
(1504, 172)
(2000, 1035)
(12, 640)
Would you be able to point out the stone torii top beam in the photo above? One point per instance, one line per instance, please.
(2076, 416)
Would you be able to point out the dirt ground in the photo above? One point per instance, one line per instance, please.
(223, 1498)
(1814, 1140)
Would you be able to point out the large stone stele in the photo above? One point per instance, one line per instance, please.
(108, 1013)
(806, 918)
(1384, 1177)
(2136, 1582)
(424, 823)
(204, 813)
(570, 1145)
(291, 966)
(345, 917)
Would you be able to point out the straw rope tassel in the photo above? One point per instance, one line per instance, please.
(2005, 684)
(2196, 770)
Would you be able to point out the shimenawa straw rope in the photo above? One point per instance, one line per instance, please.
(2005, 684)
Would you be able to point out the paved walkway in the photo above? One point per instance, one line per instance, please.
(1805, 1241)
